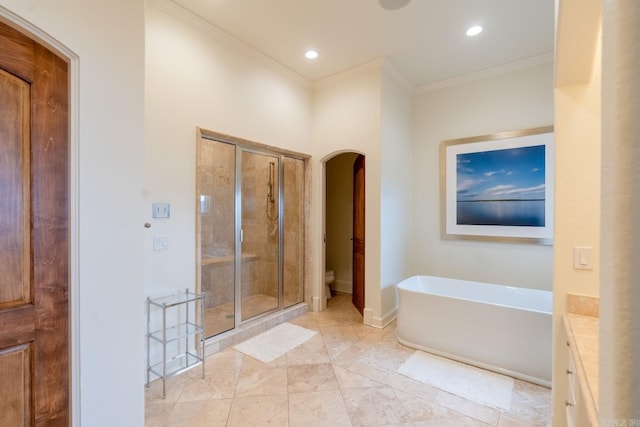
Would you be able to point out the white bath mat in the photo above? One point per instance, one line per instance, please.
(478, 385)
(275, 342)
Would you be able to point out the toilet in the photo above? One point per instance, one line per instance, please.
(329, 278)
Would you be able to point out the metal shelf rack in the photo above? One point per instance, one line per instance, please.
(184, 332)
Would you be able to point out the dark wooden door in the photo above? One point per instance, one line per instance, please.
(358, 233)
(34, 318)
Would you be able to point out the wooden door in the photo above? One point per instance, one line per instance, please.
(34, 318)
(358, 233)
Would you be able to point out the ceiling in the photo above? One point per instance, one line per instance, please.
(425, 41)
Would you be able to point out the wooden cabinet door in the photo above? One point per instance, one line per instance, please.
(34, 318)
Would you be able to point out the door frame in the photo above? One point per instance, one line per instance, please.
(358, 286)
(32, 31)
(323, 300)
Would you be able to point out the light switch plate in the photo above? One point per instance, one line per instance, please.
(160, 210)
(583, 257)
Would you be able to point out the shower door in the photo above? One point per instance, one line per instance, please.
(216, 233)
(260, 234)
(250, 232)
(293, 231)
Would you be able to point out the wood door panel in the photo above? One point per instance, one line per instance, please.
(357, 297)
(16, 51)
(18, 326)
(50, 185)
(34, 247)
(49, 154)
(15, 387)
(15, 233)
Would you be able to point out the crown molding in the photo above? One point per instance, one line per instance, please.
(483, 74)
(200, 24)
(373, 65)
(379, 64)
(392, 71)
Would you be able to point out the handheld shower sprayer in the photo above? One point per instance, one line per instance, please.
(272, 211)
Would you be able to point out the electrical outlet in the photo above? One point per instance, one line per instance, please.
(160, 243)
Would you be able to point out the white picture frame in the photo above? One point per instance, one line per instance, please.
(498, 187)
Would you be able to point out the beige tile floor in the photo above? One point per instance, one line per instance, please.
(346, 375)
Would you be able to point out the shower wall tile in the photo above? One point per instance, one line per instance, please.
(218, 283)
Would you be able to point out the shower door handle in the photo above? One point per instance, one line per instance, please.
(241, 235)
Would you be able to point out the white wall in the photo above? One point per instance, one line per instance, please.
(516, 100)
(197, 76)
(366, 110)
(347, 117)
(619, 365)
(397, 190)
(107, 126)
(578, 176)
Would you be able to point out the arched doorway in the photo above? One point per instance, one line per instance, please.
(344, 226)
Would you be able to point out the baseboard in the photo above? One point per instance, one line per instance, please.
(389, 317)
(316, 304)
(378, 322)
(342, 286)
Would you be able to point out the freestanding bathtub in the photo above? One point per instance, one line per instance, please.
(500, 328)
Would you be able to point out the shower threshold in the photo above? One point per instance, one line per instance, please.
(252, 328)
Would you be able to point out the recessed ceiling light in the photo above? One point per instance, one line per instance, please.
(311, 54)
(474, 31)
(393, 4)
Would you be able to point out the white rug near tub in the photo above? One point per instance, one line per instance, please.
(478, 385)
(275, 342)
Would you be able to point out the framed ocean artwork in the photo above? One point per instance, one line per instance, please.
(498, 187)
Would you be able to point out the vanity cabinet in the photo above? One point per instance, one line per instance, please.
(580, 409)
(181, 335)
(571, 401)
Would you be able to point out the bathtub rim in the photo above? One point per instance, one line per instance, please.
(402, 286)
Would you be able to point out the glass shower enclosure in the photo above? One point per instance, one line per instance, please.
(250, 231)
